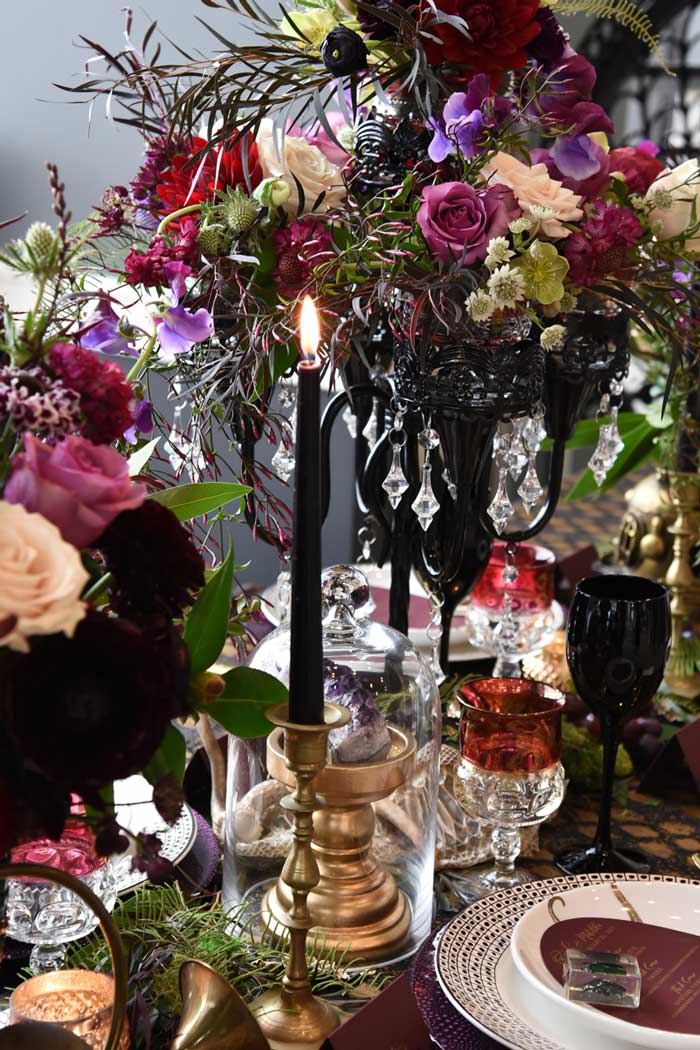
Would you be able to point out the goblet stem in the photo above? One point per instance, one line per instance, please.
(47, 957)
(611, 744)
(505, 843)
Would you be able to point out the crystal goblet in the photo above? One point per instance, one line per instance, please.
(47, 915)
(511, 773)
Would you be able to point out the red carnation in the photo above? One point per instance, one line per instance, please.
(639, 167)
(192, 180)
(499, 32)
(105, 396)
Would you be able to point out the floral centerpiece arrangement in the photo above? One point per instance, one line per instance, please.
(109, 617)
(444, 155)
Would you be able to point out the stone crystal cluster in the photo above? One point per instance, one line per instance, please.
(365, 738)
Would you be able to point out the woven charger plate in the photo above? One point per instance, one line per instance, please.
(474, 943)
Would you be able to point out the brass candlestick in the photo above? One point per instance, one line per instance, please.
(356, 904)
(684, 496)
(290, 1015)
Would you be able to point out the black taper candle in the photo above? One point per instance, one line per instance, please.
(306, 658)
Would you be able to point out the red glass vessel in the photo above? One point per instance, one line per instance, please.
(533, 590)
(510, 725)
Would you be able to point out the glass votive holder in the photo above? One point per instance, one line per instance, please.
(531, 592)
(78, 1000)
(602, 978)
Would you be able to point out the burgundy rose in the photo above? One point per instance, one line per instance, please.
(458, 221)
(78, 486)
(639, 167)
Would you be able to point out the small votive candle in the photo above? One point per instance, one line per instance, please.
(77, 1000)
(602, 978)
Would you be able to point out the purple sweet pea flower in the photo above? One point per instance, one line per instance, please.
(589, 187)
(576, 157)
(142, 413)
(104, 334)
(564, 98)
(465, 115)
(179, 329)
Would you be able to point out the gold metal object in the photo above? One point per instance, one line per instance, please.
(626, 904)
(549, 664)
(696, 859)
(79, 1000)
(290, 1015)
(356, 905)
(214, 1017)
(41, 872)
(643, 543)
(684, 497)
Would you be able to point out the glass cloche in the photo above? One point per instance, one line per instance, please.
(374, 839)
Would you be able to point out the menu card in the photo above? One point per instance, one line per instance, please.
(669, 962)
(392, 1021)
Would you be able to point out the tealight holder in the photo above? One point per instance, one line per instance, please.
(79, 1001)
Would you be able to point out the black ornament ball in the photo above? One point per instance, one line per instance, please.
(344, 51)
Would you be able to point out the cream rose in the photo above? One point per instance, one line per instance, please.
(311, 167)
(674, 193)
(533, 186)
(41, 578)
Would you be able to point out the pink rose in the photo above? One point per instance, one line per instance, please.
(458, 221)
(78, 486)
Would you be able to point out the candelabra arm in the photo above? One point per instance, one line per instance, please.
(43, 873)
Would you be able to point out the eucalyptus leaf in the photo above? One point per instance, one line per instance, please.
(189, 501)
(207, 624)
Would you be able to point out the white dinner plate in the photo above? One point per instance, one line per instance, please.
(673, 905)
(133, 801)
(475, 967)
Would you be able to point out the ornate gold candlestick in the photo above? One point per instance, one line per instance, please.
(684, 496)
(290, 1015)
(356, 904)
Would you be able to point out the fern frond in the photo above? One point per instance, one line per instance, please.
(624, 12)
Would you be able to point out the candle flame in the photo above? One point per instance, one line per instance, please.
(310, 330)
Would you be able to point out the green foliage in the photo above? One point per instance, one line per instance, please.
(206, 626)
(138, 459)
(241, 707)
(638, 448)
(161, 930)
(170, 757)
(190, 501)
(582, 758)
(624, 12)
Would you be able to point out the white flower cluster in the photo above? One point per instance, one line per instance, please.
(498, 252)
(506, 287)
(553, 338)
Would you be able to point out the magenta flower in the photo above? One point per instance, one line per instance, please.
(104, 333)
(564, 101)
(458, 221)
(299, 248)
(465, 115)
(179, 329)
(602, 247)
(78, 486)
(577, 157)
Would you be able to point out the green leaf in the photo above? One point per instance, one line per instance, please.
(241, 707)
(207, 624)
(189, 501)
(138, 460)
(639, 446)
(169, 758)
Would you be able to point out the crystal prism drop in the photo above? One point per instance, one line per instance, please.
(501, 509)
(517, 457)
(509, 574)
(425, 506)
(531, 491)
(603, 458)
(370, 431)
(615, 441)
(283, 461)
(505, 633)
(350, 421)
(429, 438)
(534, 433)
(451, 487)
(395, 483)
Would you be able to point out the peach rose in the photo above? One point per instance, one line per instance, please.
(533, 187)
(299, 158)
(41, 579)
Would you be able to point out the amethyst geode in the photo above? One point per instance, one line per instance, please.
(365, 738)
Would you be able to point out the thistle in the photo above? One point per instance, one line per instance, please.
(212, 240)
(42, 249)
(239, 211)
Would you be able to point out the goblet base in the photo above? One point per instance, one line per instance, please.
(599, 859)
(474, 885)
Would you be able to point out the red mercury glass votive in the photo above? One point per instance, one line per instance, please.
(74, 852)
(533, 590)
(510, 725)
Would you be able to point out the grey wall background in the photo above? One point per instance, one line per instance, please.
(40, 47)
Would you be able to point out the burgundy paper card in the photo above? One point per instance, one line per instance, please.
(392, 1021)
(578, 565)
(669, 962)
(678, 763)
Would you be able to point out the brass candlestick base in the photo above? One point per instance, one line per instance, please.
(290, 1016)
(356, 904)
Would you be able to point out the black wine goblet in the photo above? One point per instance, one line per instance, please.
(617, 644)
